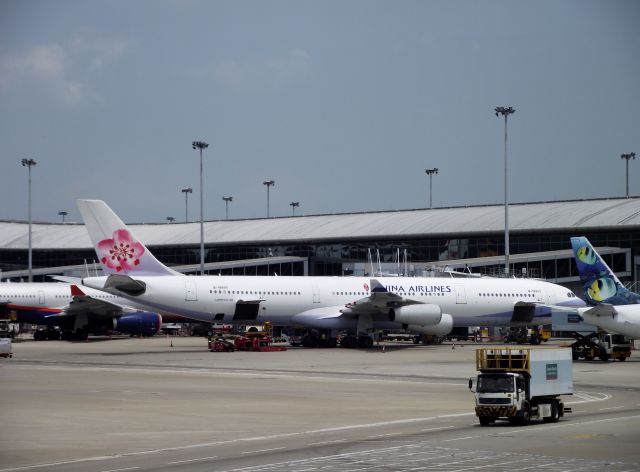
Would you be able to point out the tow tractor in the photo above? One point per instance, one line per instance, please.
(603, 346)
(250, 341)
(527, 336)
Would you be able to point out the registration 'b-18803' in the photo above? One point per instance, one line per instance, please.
(354, 304)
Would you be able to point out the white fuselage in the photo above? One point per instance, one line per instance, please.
(33, 301)
(626, 321)
(317, 301)
(48, 295)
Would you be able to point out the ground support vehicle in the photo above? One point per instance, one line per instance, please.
(603, 346)
(5, 347)
(522, 384)
(532, 336)
(47, 334)
(221, 344)
(8, 329)
(252, 340)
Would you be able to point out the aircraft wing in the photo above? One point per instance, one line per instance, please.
(379, 302)
(83, 303)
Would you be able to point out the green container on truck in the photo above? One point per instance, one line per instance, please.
(521, 385)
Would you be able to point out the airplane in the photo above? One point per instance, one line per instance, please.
(354, 304)
(613, 307)
(76, 311)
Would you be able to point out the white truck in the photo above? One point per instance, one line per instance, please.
(522, 384)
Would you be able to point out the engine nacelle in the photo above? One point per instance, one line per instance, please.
(420, 314)
(141, 323)
(440, 329)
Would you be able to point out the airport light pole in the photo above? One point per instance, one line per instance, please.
(430, 173)
(627, 156)
(294, 205)
(29, 163)
(186, 192)
(505, 111)
(226, 205)
(268, 183)
(201, 145)
(62, 214)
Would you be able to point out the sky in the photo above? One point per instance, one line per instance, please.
(344, 103)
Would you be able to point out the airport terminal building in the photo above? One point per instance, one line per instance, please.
(406, 241)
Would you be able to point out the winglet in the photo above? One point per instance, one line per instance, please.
(599, 283)
(118, 250)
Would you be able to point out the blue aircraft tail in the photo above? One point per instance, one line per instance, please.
(599, 283)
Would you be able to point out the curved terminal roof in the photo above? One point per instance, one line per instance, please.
(578, 215)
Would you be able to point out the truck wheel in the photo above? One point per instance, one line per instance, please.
(622, 358)
(525, 416)
(484, 420)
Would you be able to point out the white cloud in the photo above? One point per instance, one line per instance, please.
(259, 76)
(73, 93)
(43, 62)
(64, 70)
(99, 52)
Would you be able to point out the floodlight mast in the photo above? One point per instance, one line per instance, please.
(430, 173)
(226, 205)
(201, 145)
(505, 111)
(269, 184)
(294, 205)
(186, 192)
(29, 163)
(627, 156)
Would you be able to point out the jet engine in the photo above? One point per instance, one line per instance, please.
(141, 323)
(442, 328)
(419, 314)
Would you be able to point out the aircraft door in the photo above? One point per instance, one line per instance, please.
(316, 293)
(41, 299)
(461, 295)
(190, 290)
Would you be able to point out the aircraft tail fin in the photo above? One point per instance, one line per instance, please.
(118, 250)
(599, 283)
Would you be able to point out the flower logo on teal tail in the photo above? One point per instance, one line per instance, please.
(122, 252)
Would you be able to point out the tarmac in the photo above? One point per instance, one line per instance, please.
(169, 403)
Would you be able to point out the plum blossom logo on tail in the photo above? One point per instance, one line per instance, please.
(122, 252)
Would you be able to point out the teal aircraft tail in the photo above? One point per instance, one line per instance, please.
(599, 283)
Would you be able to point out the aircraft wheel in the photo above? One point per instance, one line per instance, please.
(349, 342)
(310, 341)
